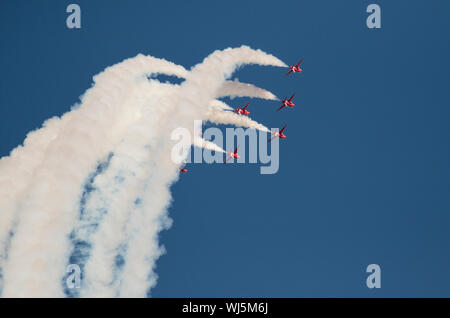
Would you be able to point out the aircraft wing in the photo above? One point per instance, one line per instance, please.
(291, 97)
(229, 158)
(282, 129)
(298, 64)
(282, 106)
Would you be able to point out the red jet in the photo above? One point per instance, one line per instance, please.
(279, 134)
(295, 68)
(287, 102)
(183, 169)
(233, 154)
(243, 110)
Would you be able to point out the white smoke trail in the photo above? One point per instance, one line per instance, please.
(131, 118)
(37, 253)
(15, 171)
(226, 117)
(237, 89)
(219, 105)
(102, 280)
(200, 87)
(117, 190)
(218, 111)
(206, 144)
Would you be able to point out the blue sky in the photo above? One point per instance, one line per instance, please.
(364, 174)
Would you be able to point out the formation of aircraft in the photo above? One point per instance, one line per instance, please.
(286, 102)
(243, 110)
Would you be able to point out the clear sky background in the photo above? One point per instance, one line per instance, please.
(364, 174)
